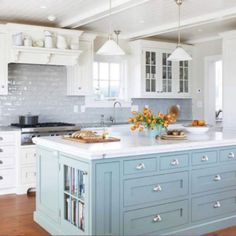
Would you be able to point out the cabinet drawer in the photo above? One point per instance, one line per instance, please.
(204, 158)
(28, 155)
(213, 178)
(228, 154)
(28, 175)
(7, 151)
(214, 205)
(173, 161)
(155, 219)
(7, 178)
(155, 188)
(7, 138)
(6, 162)
(140, 166)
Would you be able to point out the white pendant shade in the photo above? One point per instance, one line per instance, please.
(179, 54)
(110, 48)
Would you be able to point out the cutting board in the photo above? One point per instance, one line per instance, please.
(173, 137)
(102, 140)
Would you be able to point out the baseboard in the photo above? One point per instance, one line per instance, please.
(23, 189)
(8, 191)
(47, 224)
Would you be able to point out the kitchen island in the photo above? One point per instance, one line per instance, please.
(137, 186)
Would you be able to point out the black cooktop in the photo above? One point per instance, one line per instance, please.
(48, 124)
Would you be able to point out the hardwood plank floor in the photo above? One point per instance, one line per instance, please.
(16, 218)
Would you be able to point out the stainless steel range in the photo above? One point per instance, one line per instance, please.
(44, 129)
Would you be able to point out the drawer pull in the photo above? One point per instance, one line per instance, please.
(175, 162)
(157, 188)
(1, 138)
(1, 178)
(217, 178)
(1, 162)
(140, 166)
(217, 205)
(157, 218)
(205, 158)
(231, 155)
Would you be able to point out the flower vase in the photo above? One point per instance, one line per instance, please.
(152, 133)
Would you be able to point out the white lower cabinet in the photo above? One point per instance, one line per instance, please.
(9, 143)
(26, 169)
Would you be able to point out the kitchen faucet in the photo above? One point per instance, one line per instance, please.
(113, 118)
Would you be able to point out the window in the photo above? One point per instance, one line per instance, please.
(107, 83)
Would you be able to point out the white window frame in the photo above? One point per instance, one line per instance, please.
(92, 101)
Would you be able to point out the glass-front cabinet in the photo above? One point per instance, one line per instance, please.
(75, 196)
(183, 77)
(163, 78)
(150, 71)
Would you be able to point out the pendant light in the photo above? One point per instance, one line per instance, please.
(179, 54)
(110, 47)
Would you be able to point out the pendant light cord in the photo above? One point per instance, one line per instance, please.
(179, 6)
(110, 26)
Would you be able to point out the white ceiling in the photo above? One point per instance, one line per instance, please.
(201, 19)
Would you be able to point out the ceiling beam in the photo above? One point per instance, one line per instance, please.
(188, 23)
(101, 12)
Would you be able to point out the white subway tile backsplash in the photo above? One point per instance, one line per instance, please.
(41, 90)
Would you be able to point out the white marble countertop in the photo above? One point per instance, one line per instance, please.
(133, 143)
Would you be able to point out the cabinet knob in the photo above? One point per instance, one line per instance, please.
(3, 86)
(140, 166)
(1, 138)
(85, 173)
(1, 178)
(1, 162)
(175, 162)
(157, 188)
(157, 218)
(79, 88)
(217, 205)
(217, 178)
(205, 158)
(231, 155)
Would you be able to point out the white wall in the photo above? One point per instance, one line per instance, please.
(201, 51)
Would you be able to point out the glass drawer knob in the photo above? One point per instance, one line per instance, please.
(140, 166)
(217, 205)
(157, 188)
(217, 178)
(157, 218)
(175, 162)
(231, 155)
(205, 158)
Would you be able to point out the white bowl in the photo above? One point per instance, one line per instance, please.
(196, 129)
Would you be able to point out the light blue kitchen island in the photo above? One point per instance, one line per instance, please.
(138, 186)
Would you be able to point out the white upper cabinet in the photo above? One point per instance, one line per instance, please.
(152, 76)
(80, 77)
(3, 64)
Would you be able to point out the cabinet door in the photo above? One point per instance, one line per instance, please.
(107, 199)
(150, 72)
(80, 76)
(184, 74)
(3, 65)
(74, 196)
(166, 74)
(47, 183)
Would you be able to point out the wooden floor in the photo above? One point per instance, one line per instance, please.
(16, 218)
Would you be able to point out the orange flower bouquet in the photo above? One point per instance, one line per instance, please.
(147, 119)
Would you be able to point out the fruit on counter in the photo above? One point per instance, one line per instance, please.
(175, 132)
(198, 123)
